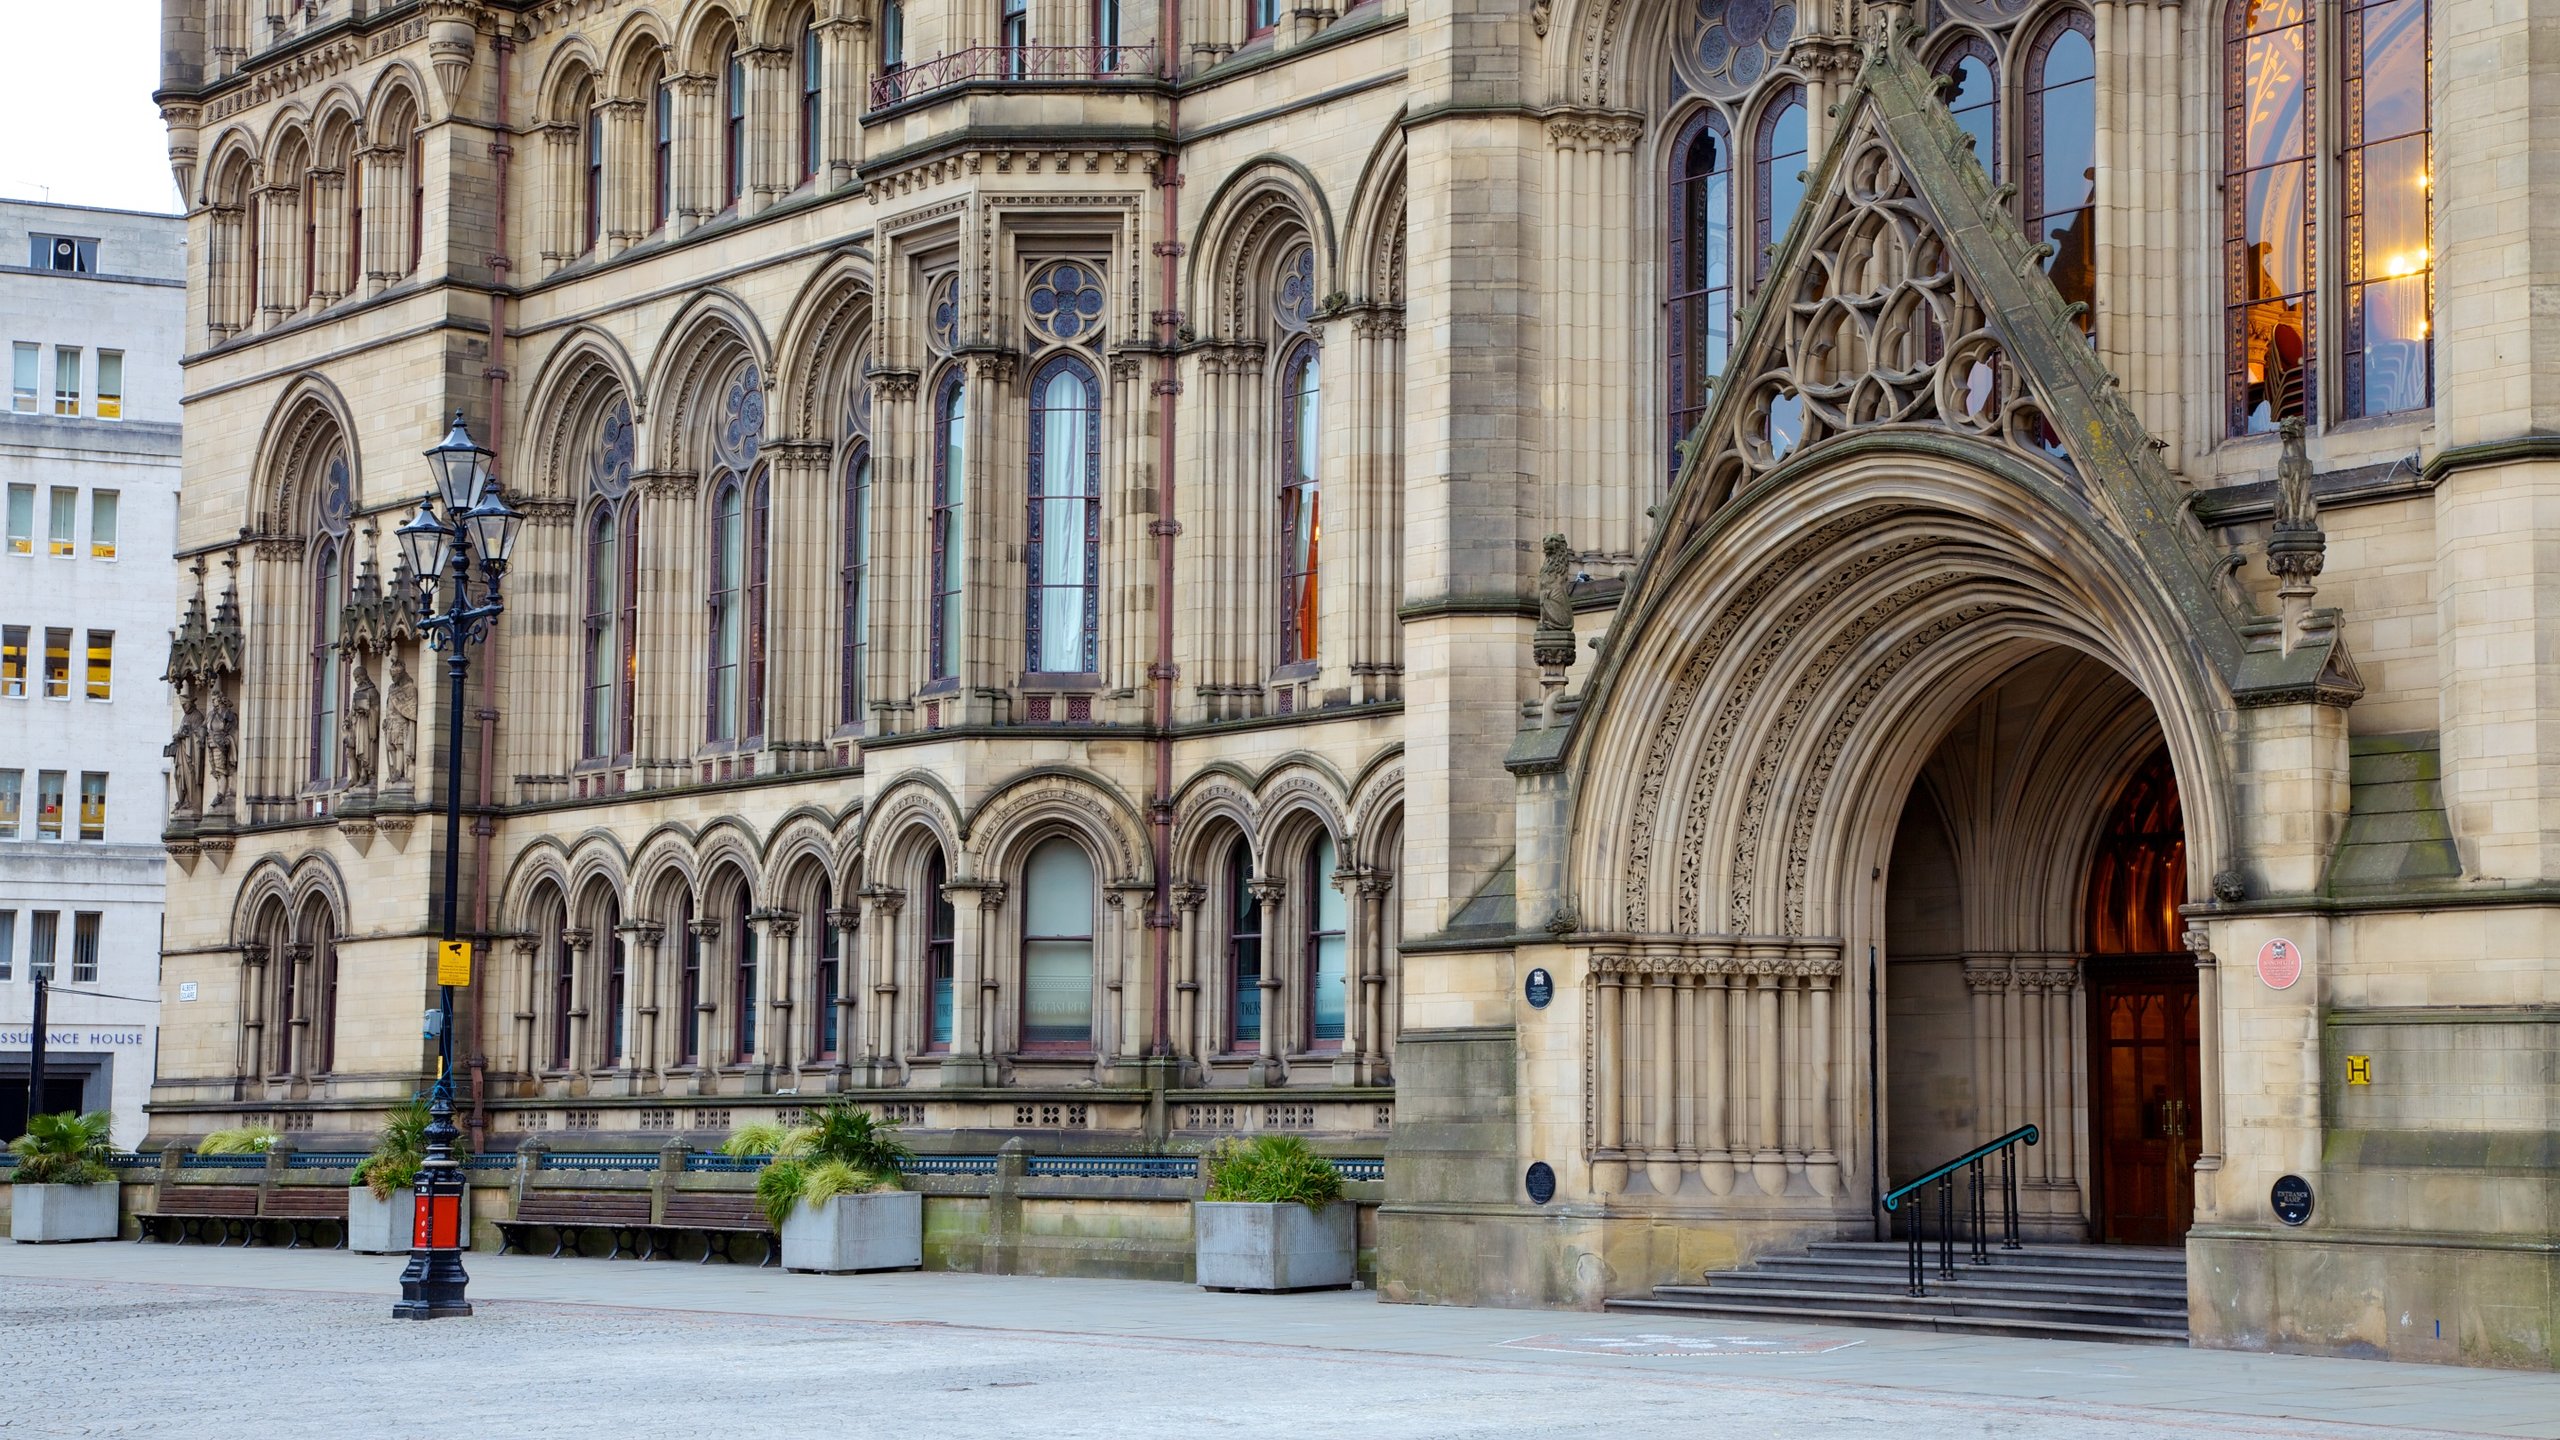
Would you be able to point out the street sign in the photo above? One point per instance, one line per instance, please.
(2279, 963)
(453, 962)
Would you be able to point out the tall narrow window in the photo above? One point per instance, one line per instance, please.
(950, 529)
(11, 783)
(854, 578)
(1244, 951)
(62, 521)
(893, 37)
(100, 680)
(1301, 529)
(93, 805)
(828, 980)
(599, 730)
(662, 147)
(351, 241)
(324, 1026)
(759, 568)
(417, 198)
(22, 519)
(8, 943)
(44, 933)
(57, 664)
(727, 609)
(592, 163)
(1967, 74)
(2390, 348)
(1013, 32)
(1326, 953)
(1701, 320)
(689, 989)
(742, 981)
(2269, 228)
(103, 509)
(2062, 159)
(24, 356)
(110, 384)
(1778, 161)
(617, 987)
(328, 597)
(13, 662)
(1066, 517)
(310, 238)
(941, 941)
(813, 82)
(84, 947)
(1057, 948)
(48, 804)
(66, 380)
(1106, 36)
(733, 127)
(564, 998)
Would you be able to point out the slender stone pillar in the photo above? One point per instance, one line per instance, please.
(1272, 1068)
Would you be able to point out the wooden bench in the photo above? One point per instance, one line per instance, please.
(624, 1214)
(720, 1220)
(189, 1207)
(305, 1208)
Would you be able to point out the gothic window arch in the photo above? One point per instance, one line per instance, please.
(1064, 553)
(328, 577)
(611, 591)
(854, 588)
(1058, 903)
(1300, 529)
(948, 601)
(323, 931)
(688, 984)
(745, 973)
(563, 1000)
(2061, 170)
(2390, 240)
(1780, 153)
(662, 143)
(733, 124)
(1969, 77)
(727, 603)
(812, 68)
(2270, 229)
(1700, 328)
(614, 1010)
(589, 117)
(1244, 948)
(826, 975)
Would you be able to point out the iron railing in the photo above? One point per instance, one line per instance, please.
(1360, 1169)
(599, 1160)
(1113, 1167)
(1944, 1177)
(500, 1160)
(1013, 62)
(224, 1162)
(324, 1159)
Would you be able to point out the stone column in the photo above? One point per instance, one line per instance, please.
(247, 1061)
(583, 1048)
(777, 1050)
(1986, 979)
(329, 237)
(2209, 1064)
(696, 181)
(1375, 889)
(705, 1012)
(1608, 1084)
(773, 127)
(1272, 1067)
(844, 42)
(297, 954)
(1715, 1050)
(882, 1051)
(974, 986)
(1184, 1023)
(562, 238)
(1769, 1154)
(850, 955)
(1821, 1162)
(279, 252)
(626, 168)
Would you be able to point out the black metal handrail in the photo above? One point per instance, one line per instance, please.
(1944, 1178)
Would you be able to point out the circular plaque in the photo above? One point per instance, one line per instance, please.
(1540, 988)
(1541, 1181)
(2292, 1199)
(2279, 963)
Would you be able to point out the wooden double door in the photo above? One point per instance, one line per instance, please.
(2144, 1094)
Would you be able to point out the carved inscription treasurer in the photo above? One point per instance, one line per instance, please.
(1711, 1068)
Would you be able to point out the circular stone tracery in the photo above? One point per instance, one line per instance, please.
(1727, 45)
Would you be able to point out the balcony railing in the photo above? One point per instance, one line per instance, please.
(1014, 62)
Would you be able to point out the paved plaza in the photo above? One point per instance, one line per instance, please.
(126, 1339)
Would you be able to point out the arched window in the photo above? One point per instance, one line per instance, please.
(1013, 32)
(2062, 158)
(853, 580)
(662, 146)
(1057, 947)
(351, 239)
(733, 126)
(1066, 517)
(727, 610)
(1261, 17)
(813, 89)
(1701, 320)
(324, 968)
(827, 982)
(591, 162)
(564, 998)
(688, 987)
(309, 204)
(328, 660)
(1778, 157)
(950, 532)
(941, 942)
(1244, 950)
(2139, 876)
(2390, 346)
(1969, 75)
(1327, 955)
(417, 195)
(2270, 368)
(617, 983)
(612, 566)
(893, 37)
(742, 979)
(759, 576)
(1301, 533)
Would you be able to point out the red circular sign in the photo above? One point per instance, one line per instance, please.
(2279, 964)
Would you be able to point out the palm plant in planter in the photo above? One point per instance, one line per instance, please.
(381, 1202)
(65, 1190)
(1273, 1218)
(831, 1187)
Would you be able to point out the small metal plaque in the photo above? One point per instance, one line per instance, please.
(1540, 987)
(2292, 1199)
(1541, 1182)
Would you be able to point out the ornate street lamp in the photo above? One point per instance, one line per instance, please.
(477, 522)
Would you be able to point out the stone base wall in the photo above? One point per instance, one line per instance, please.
(2405, 1296)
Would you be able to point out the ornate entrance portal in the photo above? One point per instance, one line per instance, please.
(2143, 1024)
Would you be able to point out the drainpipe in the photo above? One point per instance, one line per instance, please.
(484, 825)
(1168, 388)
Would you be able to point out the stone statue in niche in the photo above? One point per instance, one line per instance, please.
(1552, 645)
(186, 754)
(399, 727)
(2295, 509)
(359, 742)
(222, 736)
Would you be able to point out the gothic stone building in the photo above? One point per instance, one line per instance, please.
(1036, 612)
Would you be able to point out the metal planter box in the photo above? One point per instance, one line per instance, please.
(386, 1227)
(52, 1214)
(1239, 1245)
(883, 1230)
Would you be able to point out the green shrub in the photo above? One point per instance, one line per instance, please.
(1271, 1170)
(65, 1149)
(400, 1150)
(239, 1140)
(843, 1150)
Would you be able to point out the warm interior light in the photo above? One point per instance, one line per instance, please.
(2395, 266)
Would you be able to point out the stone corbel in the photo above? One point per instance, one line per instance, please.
(452, 41)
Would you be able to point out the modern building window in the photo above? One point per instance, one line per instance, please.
(103, 507)
(564, 998)
(592, 202)
(950, 532)
(743, 977)
(8, 943)
(84, 947)
(941, 952)
(44, 932)
(854, 579)
(1968, 74)
(2270, 369)
(612, 569)
(1057, 947)
(828, 980)
(2062, 158)
(893, 37)
(1013, 32)
(22, 519)
(1244, 951)
(63, 252)
(23, 357)
(13, 662)
(110, 384)
(1701, 319)
(733, 126)
(1301, 528)
(48, 804)
(62, 521)
(328, 599)
(726, 604)
(813, 91)
(689, 990)
(1066, 517)
(102, 665)
(662, 146)
(2390, 346)
(1326, 953)
(57, 664)
(66, 380)
(93, 805)
(11, 782)
(1778, 159)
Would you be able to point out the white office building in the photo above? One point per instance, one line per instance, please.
(92, 305)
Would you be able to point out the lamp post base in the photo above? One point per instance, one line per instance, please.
(435, 1285)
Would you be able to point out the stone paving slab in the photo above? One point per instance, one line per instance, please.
(144, 1340)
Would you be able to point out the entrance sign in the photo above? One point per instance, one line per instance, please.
(453, 962)
(2292, 1199)
(2279, 963)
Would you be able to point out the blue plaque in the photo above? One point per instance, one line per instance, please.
(2292, 1199)
(1541, 988)
(1541, 1181)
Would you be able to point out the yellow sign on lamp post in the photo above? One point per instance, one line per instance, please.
(453, 962)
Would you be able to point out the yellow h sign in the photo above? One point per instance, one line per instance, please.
(2359, 1069)
(453, 962)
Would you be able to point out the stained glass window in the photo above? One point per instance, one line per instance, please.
(2390, 351)
(2062, 158)
(1701, 312)
(2268, 223)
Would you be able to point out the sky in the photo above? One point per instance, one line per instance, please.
(75, 105)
